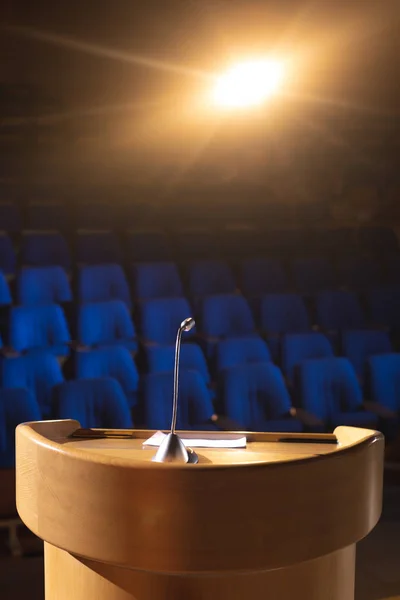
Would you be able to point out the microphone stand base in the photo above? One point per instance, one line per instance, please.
(173, 450)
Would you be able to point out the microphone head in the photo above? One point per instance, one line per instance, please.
(187, 324)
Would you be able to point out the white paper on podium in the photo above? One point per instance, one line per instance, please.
(208, 440)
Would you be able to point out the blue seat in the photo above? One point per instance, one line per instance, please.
(195, 408)
(106, 323)
(312, 275)
(156, 280)
(338, 310)
(100, 283)
(358, 346)
(330, 390)
(161, 359)
(383, 305)
(5, 294)
(197, 244)
(113, 361)
(39, 372)
(10, 218)
(384, 371)
(225, 316)
(98, 402)
(45, 249)
(47, 216)
(255, 397)
(160, 319)
(262, 276)
(241, 351)
(97, 247)
(43, 285)
(8, 259)
(39, 327)
(282, 313)
(95, 215)
(297, 347)
(208, 277)
(360, 273)
(16, 406)
(145, 246)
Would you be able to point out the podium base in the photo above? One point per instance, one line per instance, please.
(328, 577)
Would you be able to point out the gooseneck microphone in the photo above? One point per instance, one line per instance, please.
(172, 449)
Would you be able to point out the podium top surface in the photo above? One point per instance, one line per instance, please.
(269, 505)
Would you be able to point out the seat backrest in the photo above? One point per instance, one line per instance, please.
(384, 373)
(148, 245)
(283, 313)
(235, 352)
(161, 318)
(10, 218)
(194, 406)
(8, 259)
(43, 285)
(197, 243)
(329, 386)
(113, 361)
(98, 402)
(5, 294)
(358, 346)
(161, 359)
(98, 247)
(226, 316)
(16, 406)
(383, 305)
(47, 216)
(45, 249)
(157, 280)
(38, 327)
(339, 310)
(209, 277)
(255, 393)
(100, 283)
(100, 323)
(313, 274)
(360, 272)
(381, 239)
(298, 347)
(262, 276)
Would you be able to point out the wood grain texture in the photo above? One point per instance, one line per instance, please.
(327, 578)
(300, 503)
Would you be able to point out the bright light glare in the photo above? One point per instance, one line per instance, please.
(248, 83)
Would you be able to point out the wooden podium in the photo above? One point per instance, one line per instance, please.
(277, 520)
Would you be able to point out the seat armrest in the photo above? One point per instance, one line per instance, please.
(378, 409)
(307, 418)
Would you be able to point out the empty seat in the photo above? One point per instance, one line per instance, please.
(45, 249)
(255, 396)
(297, 347)
(95, 215)
(106, 323)
(10, 218)
(8, 259)
(195, 408)
(39, 327)
(16, 406)
(148, 246)
(384, 373)
(360, 273)
(115, 362)
(157, 280)
(312, 275)
(98, 402)
(39, 372)
(97, 247)
(330, 390)
(160, 319)
(383, 305)
(197, 243)
(241, 351)
(47, 216)
(226, 315)
(358, 346)
(5, 294)
(208, 277)
(338, 310)
(262, 276)
(43, 285)
(100, 283)
(161, 359)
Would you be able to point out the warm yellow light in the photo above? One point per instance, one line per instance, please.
(248, 83)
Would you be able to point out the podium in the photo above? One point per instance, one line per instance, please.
(276, 520)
